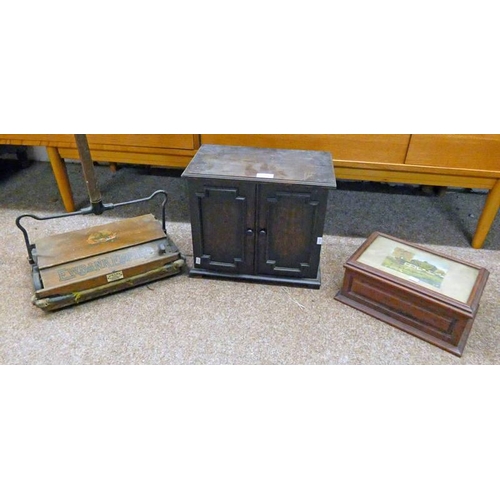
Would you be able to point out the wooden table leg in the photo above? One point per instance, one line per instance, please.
(61, 175)
(488, 214)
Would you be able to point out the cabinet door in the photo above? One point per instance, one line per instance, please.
(223, 225)
(290, 228)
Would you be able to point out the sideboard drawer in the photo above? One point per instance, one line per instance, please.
(55, 140)
(104, 141)
(107, 141)
(471, 152)
(165, 141)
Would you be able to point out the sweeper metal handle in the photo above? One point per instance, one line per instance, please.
(96, 207)
(30, 247)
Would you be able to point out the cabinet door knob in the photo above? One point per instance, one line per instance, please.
(249, 232)
(262, 232)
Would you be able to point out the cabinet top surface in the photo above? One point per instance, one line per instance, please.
(263, 165)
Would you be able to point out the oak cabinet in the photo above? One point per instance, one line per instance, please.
(258, 213)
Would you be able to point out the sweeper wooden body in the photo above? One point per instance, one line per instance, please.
(88, 263)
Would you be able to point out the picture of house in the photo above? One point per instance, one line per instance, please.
(415, 267)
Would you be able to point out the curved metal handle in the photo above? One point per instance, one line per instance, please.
(86, 211)
(109, 206)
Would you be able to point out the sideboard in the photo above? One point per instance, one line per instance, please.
(454, 160)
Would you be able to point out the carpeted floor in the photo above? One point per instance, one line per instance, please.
(183, 320)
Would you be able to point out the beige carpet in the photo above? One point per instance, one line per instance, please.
(184, 320)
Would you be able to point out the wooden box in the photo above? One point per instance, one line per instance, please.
(425, 293)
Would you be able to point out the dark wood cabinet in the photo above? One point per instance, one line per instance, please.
(258, 213)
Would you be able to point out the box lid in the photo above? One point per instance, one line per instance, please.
(429, 273)
(287, 166)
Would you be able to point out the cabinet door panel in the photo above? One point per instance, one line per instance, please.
(290, 221)
(223, 225)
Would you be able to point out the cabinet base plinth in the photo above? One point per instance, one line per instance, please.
(260, 278)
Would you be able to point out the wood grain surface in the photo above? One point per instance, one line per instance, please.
(68, 247)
